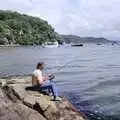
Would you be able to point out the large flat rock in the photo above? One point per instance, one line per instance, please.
(10, 110)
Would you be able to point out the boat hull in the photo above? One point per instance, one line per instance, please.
(50, 46)
(79, 45)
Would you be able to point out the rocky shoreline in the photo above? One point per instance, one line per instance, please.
(10, 45)
(17, 103)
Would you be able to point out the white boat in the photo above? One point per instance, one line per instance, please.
(50, 45)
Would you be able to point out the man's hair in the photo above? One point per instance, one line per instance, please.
(39, 65)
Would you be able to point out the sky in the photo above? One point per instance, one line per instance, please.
(98, 18)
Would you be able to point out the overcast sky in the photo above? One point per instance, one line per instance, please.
(99, 18)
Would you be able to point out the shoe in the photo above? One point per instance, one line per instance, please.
(58, 99)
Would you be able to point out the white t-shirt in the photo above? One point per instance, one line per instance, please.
(36, 74)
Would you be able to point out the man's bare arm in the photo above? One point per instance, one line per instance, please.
(45, 77)
(41, 79)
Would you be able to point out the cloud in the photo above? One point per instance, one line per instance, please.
(81, 17)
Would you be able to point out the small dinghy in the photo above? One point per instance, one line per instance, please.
(77, 45)
(98, 44)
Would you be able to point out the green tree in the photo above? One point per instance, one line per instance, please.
(23, 29)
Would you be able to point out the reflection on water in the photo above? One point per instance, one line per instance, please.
(89, 76)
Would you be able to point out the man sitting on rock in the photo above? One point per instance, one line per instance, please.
(40, 82)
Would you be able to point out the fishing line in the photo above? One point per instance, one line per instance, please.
(63, 66)
(60, 68)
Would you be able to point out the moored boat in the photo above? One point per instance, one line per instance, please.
(77, 45)
(98, 44)
(50, 45)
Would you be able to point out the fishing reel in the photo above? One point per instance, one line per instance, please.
(51, 77)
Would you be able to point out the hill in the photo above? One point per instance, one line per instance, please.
(16, 28)
(74, 38)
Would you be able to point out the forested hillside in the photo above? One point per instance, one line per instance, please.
(74, 38)
(16, 28)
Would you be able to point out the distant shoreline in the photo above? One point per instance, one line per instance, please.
(14, 45)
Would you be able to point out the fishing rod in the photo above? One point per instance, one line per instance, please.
(52, 76)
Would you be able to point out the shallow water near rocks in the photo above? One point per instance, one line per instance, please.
(89, 76)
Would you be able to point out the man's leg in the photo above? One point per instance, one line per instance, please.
(50, 86)
(54, 90)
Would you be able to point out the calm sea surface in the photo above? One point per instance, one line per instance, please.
(89, 76)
